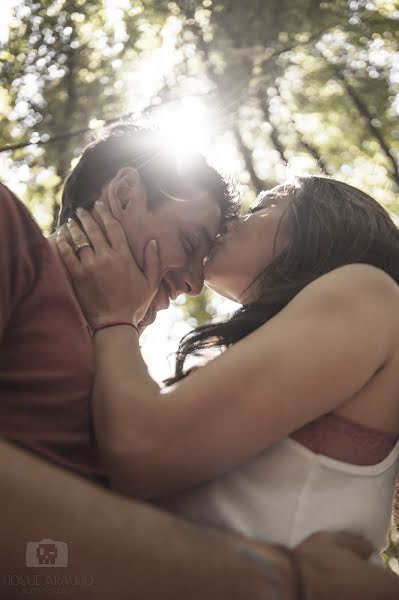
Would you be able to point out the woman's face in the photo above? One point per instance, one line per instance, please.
(246, 248)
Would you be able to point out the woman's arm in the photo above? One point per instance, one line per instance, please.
(314, 355)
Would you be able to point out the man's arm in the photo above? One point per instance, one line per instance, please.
(119, 548)
(123, 549)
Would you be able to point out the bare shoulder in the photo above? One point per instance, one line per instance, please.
(367, 295)
(358, 282)
(355, 276)
(375, 405)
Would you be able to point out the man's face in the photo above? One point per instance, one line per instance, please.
(185, 230)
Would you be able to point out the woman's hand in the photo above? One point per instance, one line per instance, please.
(108, 282)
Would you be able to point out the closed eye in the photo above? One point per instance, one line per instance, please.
(198, 240)
(189, 247)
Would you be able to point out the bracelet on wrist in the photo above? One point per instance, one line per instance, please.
(111, 324)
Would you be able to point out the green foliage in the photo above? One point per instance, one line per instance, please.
(289, 78)
(311, 78)
(61, 68)
(314, 84)
(199, 310)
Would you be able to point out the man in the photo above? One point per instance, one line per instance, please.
(126, 550)
(187, 204)
(46, 356)
(46, 368)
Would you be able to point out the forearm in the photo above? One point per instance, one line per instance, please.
(124, 393)
(116, 546)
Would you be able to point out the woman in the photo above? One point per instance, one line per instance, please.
(294, 428)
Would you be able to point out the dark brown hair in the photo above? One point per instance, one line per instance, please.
(332, 224)
(141, 147)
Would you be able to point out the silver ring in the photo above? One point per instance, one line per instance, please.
(77, 248)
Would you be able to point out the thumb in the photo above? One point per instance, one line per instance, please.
(344, 539)
(152, 265)
(356, 543)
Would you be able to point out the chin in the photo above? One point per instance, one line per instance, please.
(218, 287)
(219, 275)
(207, 272)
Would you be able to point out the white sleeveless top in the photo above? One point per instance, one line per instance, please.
(288, 492)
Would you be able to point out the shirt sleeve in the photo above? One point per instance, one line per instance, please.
(19, 236)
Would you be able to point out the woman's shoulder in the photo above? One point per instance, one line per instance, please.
(376, 404)
(355, 283)
(353, 275)
(361, 295)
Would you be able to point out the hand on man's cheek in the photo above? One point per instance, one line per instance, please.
(151, 314)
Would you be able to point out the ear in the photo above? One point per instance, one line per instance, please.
(126, 192)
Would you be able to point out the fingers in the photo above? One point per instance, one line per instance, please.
(152, 265)
(356, 543)
(68, 255)
(90, 231)
(114, 230)
(350, 541)
(78, 236)
(149, 318)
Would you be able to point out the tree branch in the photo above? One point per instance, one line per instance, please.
(70, 134)
(368, 118)
(246, 153)
(274, 134)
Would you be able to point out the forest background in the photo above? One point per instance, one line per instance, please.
(263, 87)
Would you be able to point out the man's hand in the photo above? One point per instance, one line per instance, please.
(334, 566)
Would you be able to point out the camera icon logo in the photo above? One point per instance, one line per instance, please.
(46, 553)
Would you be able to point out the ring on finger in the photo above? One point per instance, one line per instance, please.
(79, 247)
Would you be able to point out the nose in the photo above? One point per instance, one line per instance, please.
(194, 281)
(194, 286)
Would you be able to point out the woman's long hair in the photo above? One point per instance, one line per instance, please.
(331, 224)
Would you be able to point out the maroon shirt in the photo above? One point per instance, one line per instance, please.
(46, 353)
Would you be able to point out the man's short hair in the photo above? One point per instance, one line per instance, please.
(127, 144)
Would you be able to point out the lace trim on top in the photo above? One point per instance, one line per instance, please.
(342, 439)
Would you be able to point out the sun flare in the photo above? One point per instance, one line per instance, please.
(185, 128)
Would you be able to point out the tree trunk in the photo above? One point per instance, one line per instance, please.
(368, 118)
(257, 184)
